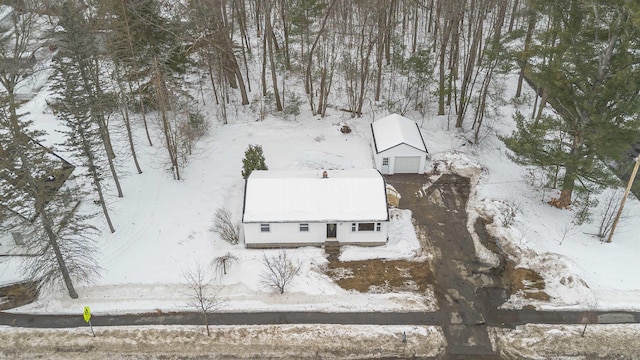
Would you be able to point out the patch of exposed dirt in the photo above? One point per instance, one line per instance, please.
(15, 295)
(527, 281)
(381, 276)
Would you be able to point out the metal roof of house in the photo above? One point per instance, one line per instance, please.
(301, 196)
(394, 130)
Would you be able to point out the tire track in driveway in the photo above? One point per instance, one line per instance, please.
(439, 209)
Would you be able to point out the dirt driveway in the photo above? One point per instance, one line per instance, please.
(439, 210)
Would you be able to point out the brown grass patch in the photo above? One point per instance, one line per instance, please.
(381, 276)
(15, 295)
(527, 281)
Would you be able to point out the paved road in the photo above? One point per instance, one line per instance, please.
(244, 318)
(502, 318)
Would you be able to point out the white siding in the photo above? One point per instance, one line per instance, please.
(289, 234)
(363, 237)
(280, 233)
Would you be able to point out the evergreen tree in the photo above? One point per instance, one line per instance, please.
(80, 101)
(139, 35)
(253, 160)
(591, 77)
(31, 177)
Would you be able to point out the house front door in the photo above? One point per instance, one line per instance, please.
(331, 230)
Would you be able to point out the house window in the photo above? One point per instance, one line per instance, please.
(385, 161)
(304, 227)
(378, 226)
(353, 227)
(365, 227)
(264, 228)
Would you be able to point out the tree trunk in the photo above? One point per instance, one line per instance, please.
(263, 73)
(308, 86)
(163, 102)
(380, 48)
(523, 59)
(571, 171)
(446, 32)
(206, 322)
(143, 110)
(270, 41)
(98, 116)
(467, 85)
(211, 77)
(285, 31)
(223, 38)
(323, 78)
(364, 74)
(414, 32)
(543, 103)
(514, 12)
(53, 241)
(127, 124)
(86, 147)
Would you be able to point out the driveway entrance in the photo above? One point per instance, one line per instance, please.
(440, 211)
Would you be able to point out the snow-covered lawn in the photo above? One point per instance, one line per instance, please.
(164, 227)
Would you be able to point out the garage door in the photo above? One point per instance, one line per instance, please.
(406, 164)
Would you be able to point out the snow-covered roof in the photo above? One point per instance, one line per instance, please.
(297, 196)
(394, 130)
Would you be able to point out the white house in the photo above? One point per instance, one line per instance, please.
(398, 146)
(310, 208)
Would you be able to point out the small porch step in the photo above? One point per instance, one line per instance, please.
(332, 248)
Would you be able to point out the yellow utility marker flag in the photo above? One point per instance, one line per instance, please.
(87, 314)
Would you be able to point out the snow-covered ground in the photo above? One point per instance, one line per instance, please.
(311, 342)
(568, 342)
(225, 342)
(164, 227)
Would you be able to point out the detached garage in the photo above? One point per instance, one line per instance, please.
(398, 146)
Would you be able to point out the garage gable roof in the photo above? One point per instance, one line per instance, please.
(394, 130)
(301, 196)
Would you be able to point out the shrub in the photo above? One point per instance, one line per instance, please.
(253, 160)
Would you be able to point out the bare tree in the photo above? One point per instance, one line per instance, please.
(608, 214)
(567, 230)
(181, 125)
(225, 261)
(224, 227)
(270, 41)
(203, 295)
(169, 132)
(308, 70)
(280, 270)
